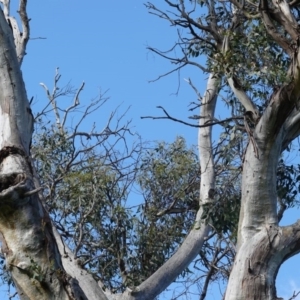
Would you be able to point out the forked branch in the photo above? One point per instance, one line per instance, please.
(21, 37)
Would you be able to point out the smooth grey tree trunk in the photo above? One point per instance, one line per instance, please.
(262, 244)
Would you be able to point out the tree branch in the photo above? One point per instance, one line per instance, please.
(20, 38)
(282, 41)
(208, 122)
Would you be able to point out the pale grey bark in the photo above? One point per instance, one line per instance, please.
(207, 111)
(259, 198)
(87, 283)
(21, 37)
(27, 241)
(242, 96)
(262, 244)
(258, 261)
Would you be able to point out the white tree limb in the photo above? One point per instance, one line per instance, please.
(236, 88)
(207, 111)
(85, 280)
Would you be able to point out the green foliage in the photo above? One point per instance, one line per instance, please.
(169, 177)
(288, 184)
(223, 215)
(87, 194)
(86, 197)
(120, 242)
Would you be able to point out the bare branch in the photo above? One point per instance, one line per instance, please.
(182, 20)
(25, 30)
(189, 81)
(294, 296)
(183, 61)
(208, 123)
(20, 38)
(52, 100)
(76, 102)
(242, 96)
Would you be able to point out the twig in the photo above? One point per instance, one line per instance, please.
(207, 124)
(294, 295)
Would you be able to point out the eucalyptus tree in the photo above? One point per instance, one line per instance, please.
(250, 49)
(66, 230)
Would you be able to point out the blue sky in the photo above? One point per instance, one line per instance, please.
(104, 44)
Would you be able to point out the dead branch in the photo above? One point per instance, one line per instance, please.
(207, 124)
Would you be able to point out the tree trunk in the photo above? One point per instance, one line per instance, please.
(28, 244)
(258, 261)
(262, 244)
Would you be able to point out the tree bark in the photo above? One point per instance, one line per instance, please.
(262, 244)
(258, 261)
(28, 244)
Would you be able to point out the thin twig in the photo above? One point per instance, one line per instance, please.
(207, 124)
